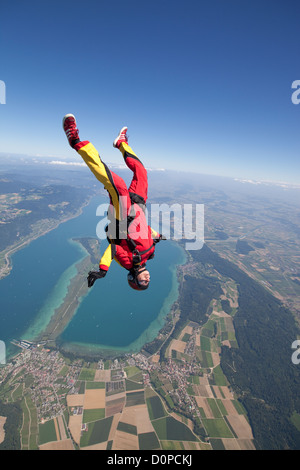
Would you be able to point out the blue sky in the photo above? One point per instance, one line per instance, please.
(203, 86)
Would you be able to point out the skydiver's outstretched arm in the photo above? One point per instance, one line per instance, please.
(104, 265)
(107, 257)
(156, 236)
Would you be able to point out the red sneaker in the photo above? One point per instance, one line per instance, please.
(70, 128)
(122, 137)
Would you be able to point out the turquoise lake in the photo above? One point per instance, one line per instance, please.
(111, 316)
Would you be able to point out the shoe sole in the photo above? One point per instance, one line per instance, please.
(116, 140)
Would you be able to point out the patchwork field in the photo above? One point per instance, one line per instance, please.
(94, 399)
(131, 419)
(220, 415)
(58, 445)
(2, 433)
(53, 435)
(187, 404)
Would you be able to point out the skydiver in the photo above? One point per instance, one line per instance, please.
(131, 240)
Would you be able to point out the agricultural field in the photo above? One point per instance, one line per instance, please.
(53, 435)
(132, 418)
(220, 416)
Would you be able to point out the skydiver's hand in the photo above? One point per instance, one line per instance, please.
(161, 237)
(94, 275)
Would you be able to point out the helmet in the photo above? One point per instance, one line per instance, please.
(133, 282)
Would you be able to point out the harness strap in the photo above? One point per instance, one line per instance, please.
(130, 243)
(146, 251)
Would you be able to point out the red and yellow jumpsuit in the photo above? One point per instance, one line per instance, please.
(126, 204)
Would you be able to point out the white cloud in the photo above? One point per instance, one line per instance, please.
(59, 162)
(282, 184)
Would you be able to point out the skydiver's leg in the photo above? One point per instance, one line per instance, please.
(114, 184)
(138, 188)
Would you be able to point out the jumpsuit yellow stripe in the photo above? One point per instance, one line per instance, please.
(108, 256)
(102, 173)
(124, 147)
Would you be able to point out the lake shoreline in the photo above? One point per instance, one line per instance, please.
(77, 288)
(149, 335)
(7, 254)
(49, 330)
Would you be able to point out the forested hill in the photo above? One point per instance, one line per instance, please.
(260, 369)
